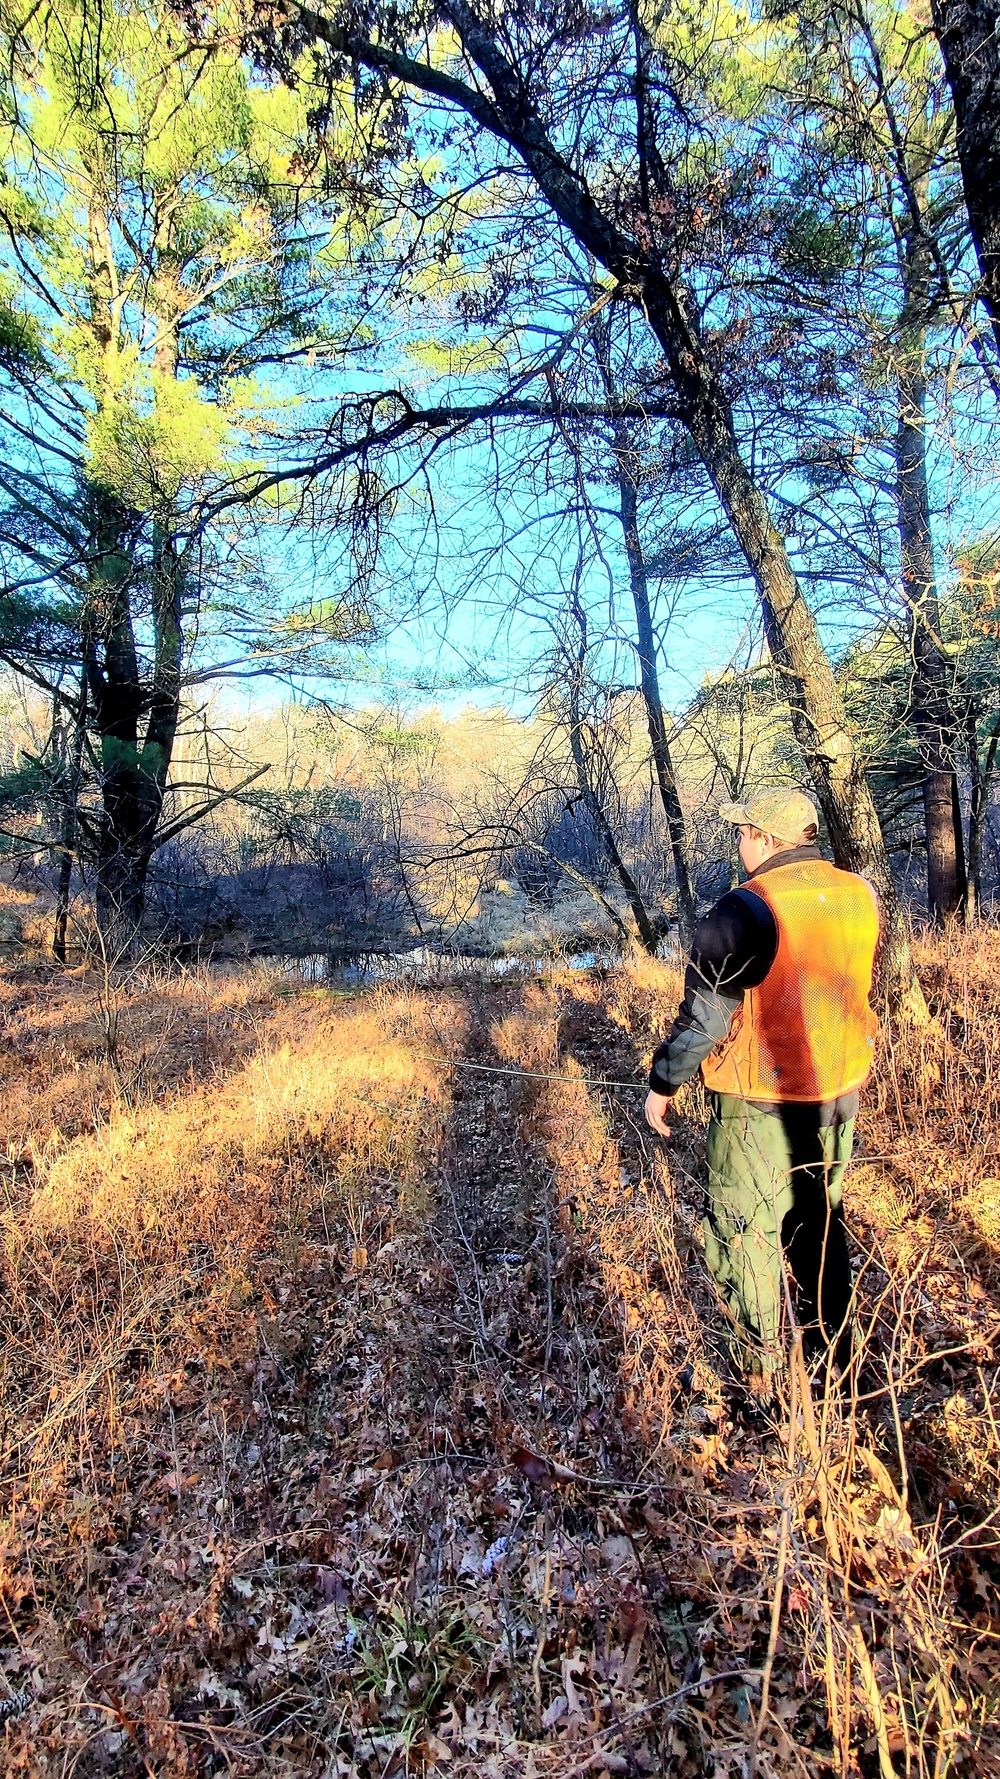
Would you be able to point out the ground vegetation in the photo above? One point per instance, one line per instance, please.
(366, 1412)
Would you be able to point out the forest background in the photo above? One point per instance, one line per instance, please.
(675, 446)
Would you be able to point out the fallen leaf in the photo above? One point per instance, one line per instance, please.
(331, 1587)
(539, 1469)
(436, 1748)
(634, 1622)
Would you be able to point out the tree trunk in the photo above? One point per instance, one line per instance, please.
(628, 467)
(589, 796)
(67, 847)
(136, 721)
(817, 711)
(933, 718)
(115, 696)
(649, 679)
(68, 822)
(969, 34)
(136, 724)
(957, 823)
(980, 773)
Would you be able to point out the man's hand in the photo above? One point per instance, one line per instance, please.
(655, 1109)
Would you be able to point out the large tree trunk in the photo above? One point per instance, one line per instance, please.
(116, 700)
(137, 724)
(136, 719)
(969, 34)
(68, 824)
(110, 657)
(817, 711)
(933, 718)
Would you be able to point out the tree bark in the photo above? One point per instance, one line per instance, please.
(115, 697)
(980, 773)
(649, 680)
(135, 783)
(969, 34)
(136, 723)
(817, 710)
(68, 824)
(933, 718)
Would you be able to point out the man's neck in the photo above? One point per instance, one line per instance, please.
(788, 855)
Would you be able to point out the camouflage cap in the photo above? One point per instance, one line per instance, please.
(784, 813)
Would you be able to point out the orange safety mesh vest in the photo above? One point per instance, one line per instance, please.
(808, 1031)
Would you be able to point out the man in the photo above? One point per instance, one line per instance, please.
(776, 1014)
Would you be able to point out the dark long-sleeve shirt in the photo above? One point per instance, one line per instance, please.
(733, 948)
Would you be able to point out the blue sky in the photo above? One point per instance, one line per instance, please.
(469, 583)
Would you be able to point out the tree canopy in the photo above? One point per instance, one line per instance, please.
(417, 309)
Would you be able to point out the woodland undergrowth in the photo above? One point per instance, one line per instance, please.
(367, 1408)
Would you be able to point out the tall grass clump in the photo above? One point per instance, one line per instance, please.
(147, 1237)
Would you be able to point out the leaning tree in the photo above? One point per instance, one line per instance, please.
(969, 34)
(607, 140)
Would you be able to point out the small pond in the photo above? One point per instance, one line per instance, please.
(426, 964)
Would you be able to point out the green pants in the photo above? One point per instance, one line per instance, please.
(775, 1184)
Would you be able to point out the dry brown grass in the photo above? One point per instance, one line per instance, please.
(146, 1252)
(178, 1029)
(296, 1328)
(871, 1574)
(174, 1202)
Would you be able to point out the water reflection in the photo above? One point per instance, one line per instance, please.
(423, 964)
